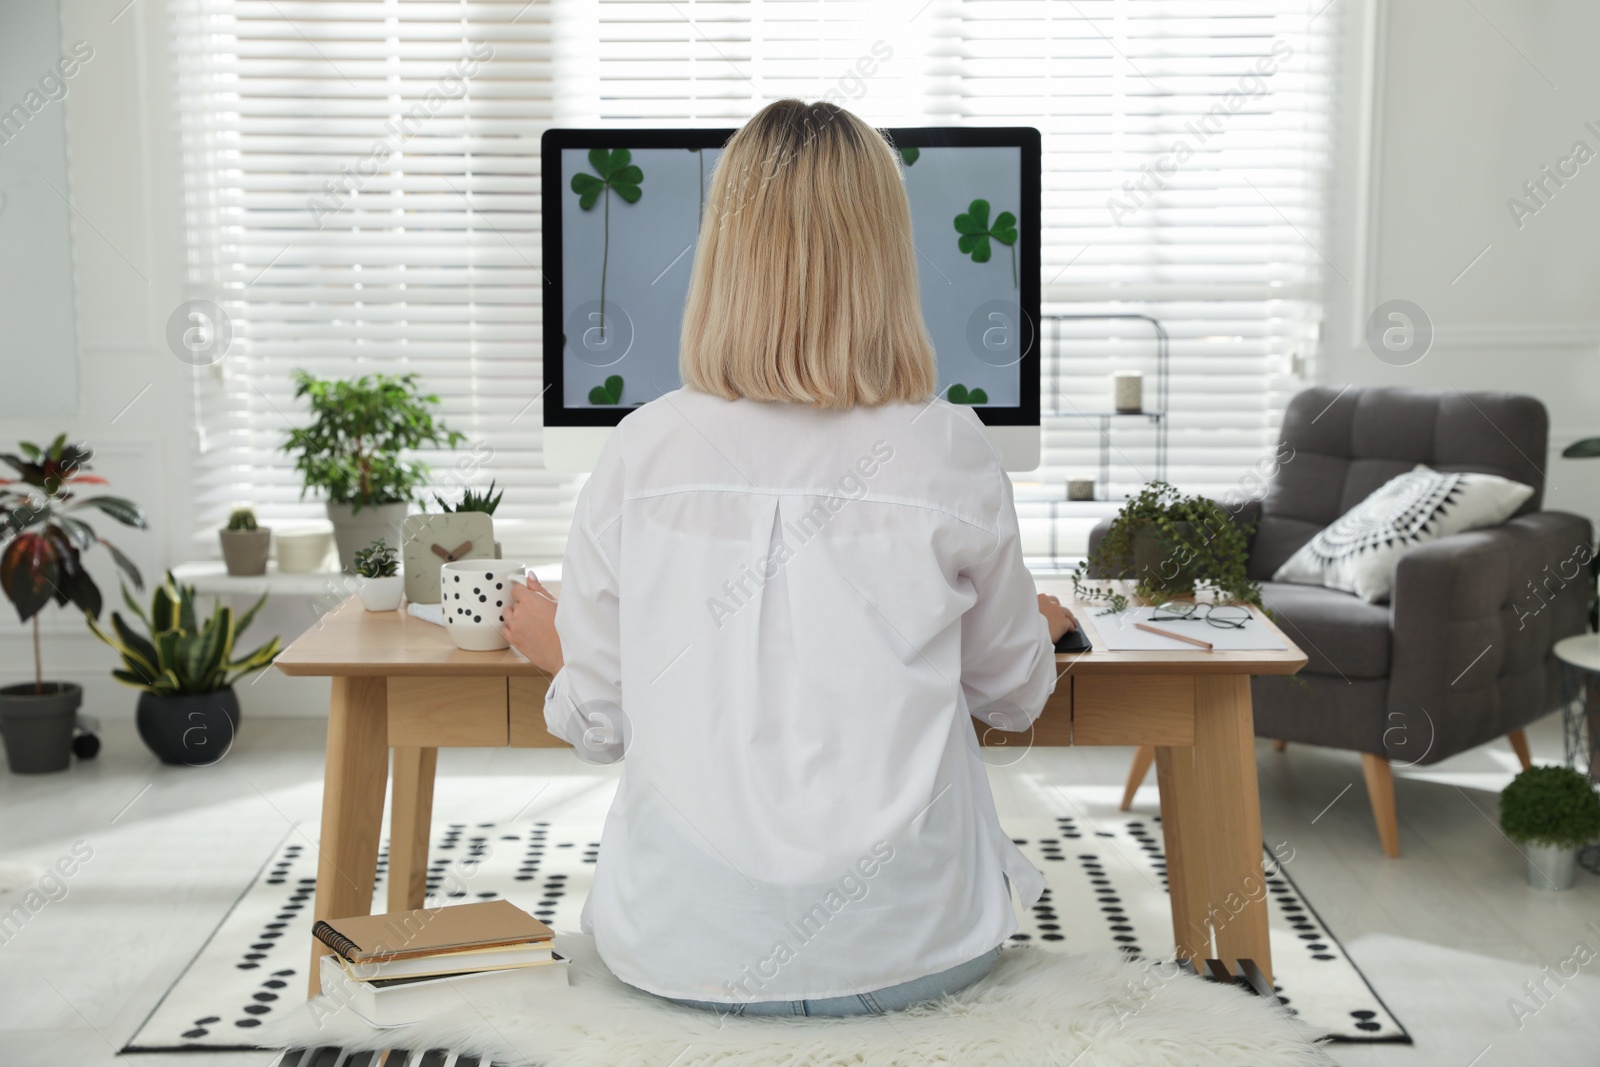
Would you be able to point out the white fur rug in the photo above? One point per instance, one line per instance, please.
(1035, 1009)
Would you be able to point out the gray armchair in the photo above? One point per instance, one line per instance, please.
(1461, 654)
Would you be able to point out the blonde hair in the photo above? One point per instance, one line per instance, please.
(804, 287)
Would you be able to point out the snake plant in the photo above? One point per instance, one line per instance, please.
(182, 655)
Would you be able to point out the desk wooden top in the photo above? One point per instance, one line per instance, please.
(351, 641)
(1287, 660)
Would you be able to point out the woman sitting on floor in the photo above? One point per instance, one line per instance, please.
(787, 587)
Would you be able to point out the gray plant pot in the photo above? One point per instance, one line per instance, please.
(245, 551)
(37, 727)
(1162, 566)
(1550, 866)
(354, 530)
(192, 730)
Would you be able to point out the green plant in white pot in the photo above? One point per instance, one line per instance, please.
(188, 711)
(379, 569)
(44, 535)
(354, 452)
(1551, 812)
(245, 545)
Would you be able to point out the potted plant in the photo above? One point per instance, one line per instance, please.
(44, 537)
(244, 544)
(1551, 812)
(484, 502)
(188, 712)
(379, 569)
(353, 452)
(1168, 543)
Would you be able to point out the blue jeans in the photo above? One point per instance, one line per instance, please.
(877, 1002)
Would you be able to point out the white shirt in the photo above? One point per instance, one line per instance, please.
(785, 617)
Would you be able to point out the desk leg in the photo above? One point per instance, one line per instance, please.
(1230, 815)
(352, 803)
(410, 818)
(1187, 876)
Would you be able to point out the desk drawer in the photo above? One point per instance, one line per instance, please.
(447, 712)
(1149, 709)
(527, 714)
(1053, 727)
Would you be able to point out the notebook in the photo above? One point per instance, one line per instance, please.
(406, 1000)
(408, 935)
(500, 958)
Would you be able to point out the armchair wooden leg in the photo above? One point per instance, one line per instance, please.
(1519, 742)
(1279, 745)
(1380, 791)
(1142, 758)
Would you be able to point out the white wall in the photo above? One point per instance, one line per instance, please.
(1459, 115)
(134, 399)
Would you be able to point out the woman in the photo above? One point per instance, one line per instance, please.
(788, 586)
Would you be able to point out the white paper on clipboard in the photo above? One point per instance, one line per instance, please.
(1116, 633)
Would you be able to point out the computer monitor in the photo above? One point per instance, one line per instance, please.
(619, 243)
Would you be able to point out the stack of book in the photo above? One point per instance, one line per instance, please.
(401, 967)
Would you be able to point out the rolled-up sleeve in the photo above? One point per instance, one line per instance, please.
(584, 704)
(1007, 658)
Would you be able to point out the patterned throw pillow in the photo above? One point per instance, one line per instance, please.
(1359, 552)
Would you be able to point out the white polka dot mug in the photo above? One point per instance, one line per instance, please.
(474, 594)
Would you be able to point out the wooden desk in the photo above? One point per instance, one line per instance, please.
(398, 683)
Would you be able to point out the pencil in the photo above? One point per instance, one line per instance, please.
(1176, 637)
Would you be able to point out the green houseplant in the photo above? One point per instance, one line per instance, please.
(245, 545)
(186, 667)
(482, 501)
(44, 537)
(1552, 811)
(354, 451)
(378, 568)
(472, 500)
(1167, 543)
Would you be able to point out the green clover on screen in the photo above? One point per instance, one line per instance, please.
(609, 393)
(976, 233)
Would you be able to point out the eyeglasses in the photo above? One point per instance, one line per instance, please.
(1226, 616)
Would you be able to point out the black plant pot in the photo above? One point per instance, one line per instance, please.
(38, 726)
(190, 731)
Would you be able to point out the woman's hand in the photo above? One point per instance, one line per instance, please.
(1060, 619)
(530, 624)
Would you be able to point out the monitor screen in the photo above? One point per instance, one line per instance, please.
(621, 217)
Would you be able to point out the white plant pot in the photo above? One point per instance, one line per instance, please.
(381, 594)
(354, 530)
(1550, 866)
(303, 549)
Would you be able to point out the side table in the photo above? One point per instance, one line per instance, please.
(1580, 717)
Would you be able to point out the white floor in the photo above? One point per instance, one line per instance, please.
(1448, 934)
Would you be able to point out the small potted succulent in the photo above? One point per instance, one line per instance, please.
(379, 569)
(354, 452)
(43, 535)
(1551, 812)
(188, 712)
(485, 502)
(244, 544)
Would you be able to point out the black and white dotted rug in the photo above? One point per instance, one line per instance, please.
(1106, 890)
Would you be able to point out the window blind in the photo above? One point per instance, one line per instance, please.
(363, 196)
(1185, 153)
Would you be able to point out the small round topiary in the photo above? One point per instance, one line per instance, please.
(1554, 806)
